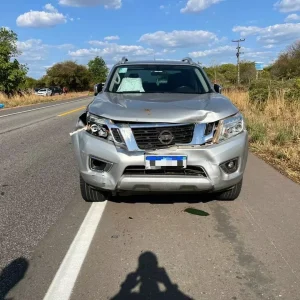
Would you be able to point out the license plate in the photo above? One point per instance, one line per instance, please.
(159, 161)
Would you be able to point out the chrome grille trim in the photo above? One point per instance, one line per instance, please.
(127, 135)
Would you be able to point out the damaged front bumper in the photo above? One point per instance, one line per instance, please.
(108, 167)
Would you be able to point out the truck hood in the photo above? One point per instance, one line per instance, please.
(166, 108)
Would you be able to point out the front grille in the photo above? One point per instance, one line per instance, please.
(148, 137)
(189, 171)
(117, 135)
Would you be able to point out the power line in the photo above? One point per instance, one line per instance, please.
(238, 56)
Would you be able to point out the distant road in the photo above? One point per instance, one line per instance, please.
(247, 249)
(14, 117)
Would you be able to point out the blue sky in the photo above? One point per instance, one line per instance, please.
(52, 31)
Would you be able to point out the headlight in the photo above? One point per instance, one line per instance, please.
(98, 126)
(231, 127)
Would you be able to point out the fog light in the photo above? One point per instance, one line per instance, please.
(230, 166)
(99, 165)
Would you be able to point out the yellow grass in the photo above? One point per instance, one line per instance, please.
(274, 131)
(17, 100)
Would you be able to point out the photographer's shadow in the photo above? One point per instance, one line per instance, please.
(146, 281)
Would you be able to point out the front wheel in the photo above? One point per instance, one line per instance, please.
(89, 194)
(231, 194)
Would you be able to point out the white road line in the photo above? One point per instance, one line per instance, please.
(65, 278)
(26, 111)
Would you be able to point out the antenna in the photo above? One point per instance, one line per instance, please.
(238, 56)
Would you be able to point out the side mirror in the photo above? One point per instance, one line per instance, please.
(97, 88)
(218, 88)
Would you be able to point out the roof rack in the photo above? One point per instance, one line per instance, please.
(188, 59)
(124, 60)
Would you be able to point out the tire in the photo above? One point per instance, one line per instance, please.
(90, 194)
(231, 194)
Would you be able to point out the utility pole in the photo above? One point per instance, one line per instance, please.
(238, 56)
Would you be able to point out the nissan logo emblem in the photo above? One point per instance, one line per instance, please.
(166, 137)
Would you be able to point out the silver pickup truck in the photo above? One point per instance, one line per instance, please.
(160, 126)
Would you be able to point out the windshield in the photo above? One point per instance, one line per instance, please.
(158, 79)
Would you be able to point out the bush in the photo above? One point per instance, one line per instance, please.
(258, 94)
(284, 135)
(261, 90)
(257, 132)
(294, 92)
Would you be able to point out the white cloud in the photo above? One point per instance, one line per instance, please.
(286, 6)
(168, 51)
(114, 4)
(62, 46)
(275, 34)
(99, 43)
(195, 6)
(29, 44)
(37, 19)
(229, 53)
(258, 54)
(247, 30)
(178, 38)
(112, 38)
(111, 50)
(269, 46)
(50, 8)
(36, 50)
(292, 17)
(32, 50)
(216, 51)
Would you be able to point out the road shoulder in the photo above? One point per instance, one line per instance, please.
(24, 108)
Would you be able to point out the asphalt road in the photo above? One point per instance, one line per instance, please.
(246, 249)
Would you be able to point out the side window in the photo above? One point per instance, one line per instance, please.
(116, 80)
(202, 80)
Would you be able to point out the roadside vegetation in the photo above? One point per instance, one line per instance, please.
(271, 106)
(274, 130)
(28, 99)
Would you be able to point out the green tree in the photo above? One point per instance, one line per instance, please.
(265, 74)
(209, 72)
(247, 72)
(229, 71)
(30, 83)
(69, 74)
(98, 69)
(12, 73)
(42, 82)
(287, 66)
